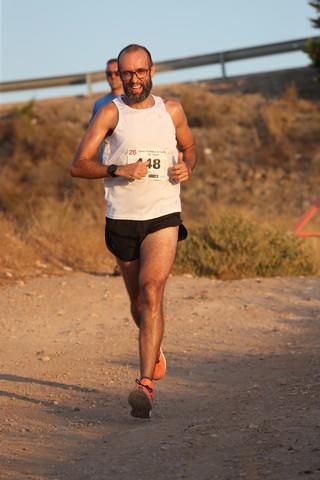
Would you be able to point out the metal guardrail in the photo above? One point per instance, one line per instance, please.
(165, 66)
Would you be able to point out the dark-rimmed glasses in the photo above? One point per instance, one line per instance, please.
(112, 73)
(140, 73)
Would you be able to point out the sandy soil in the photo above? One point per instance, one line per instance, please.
(240, 400)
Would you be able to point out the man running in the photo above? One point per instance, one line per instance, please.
(115, 83)
(151, 152)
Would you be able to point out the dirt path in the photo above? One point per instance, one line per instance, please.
(241, 398)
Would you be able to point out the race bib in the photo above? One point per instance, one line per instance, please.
(157, 161)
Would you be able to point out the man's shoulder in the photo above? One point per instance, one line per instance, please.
(168, 102)
(101, 102)
(172, 104)
(104, 100)
(171, 101)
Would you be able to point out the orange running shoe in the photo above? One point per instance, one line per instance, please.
(141, 398)
(160, 367)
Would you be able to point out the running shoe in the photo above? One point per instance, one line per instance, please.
(141, 398)
(160, 367)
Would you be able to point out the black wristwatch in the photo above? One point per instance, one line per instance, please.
(112, 170)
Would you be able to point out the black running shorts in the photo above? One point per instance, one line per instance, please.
(124, 237)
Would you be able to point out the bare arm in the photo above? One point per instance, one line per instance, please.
(187, 156)
(85, 164)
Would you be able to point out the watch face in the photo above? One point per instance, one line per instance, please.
(112, 170)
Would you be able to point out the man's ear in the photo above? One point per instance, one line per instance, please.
(153, 70)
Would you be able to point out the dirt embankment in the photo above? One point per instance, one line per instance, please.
(257, 153)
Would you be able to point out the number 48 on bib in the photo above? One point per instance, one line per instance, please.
(157, 161)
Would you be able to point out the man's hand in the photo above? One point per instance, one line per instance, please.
(179, 172)
(133, 171)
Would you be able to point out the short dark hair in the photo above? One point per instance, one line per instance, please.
(112, 60)
(133, 47)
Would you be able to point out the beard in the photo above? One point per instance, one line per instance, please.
(132, 98)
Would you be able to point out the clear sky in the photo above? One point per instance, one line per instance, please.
(41, 38)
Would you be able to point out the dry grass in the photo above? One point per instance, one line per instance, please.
(259, 156)
(233, 246)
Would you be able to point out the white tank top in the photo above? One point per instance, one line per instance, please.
(147, 134)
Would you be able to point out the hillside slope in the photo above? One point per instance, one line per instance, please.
(256, 152)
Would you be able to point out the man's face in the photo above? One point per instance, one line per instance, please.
(113, 77)
(136, 72)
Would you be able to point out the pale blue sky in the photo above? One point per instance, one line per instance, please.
(41, 38)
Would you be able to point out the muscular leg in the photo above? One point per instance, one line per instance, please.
(157, 255)
(130, 274)
(145, 281)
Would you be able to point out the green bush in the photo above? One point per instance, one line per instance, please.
(234, 247)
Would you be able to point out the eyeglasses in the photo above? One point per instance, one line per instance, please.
(140, 73)
(111, 73)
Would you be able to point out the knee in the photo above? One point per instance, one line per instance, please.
(152, 292)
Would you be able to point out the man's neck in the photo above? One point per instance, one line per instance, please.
(117, 91)
(147, 103)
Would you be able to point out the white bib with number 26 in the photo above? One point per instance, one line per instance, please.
(157, 161)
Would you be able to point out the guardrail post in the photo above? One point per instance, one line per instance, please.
(223, 66)
(89, 84)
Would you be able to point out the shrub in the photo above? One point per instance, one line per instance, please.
(313, 49)
(235, 247)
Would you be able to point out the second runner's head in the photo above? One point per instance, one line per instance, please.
(112, 75)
